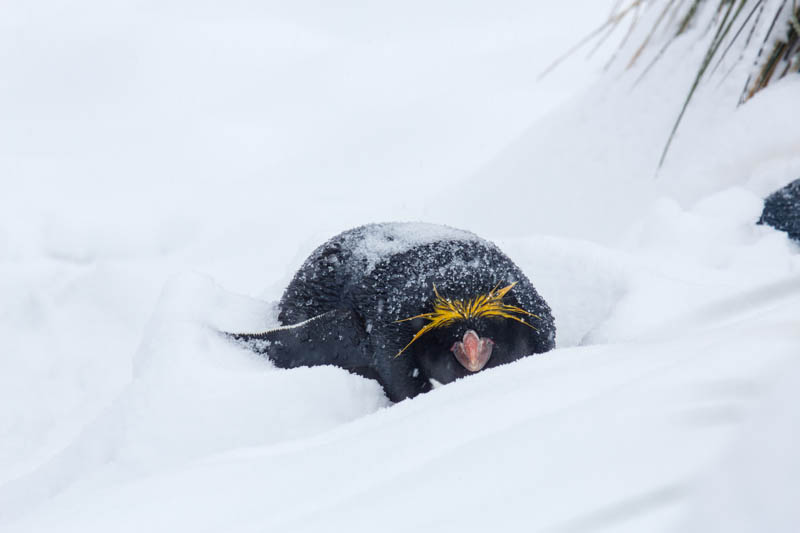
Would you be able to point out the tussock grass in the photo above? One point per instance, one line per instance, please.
(768, 30)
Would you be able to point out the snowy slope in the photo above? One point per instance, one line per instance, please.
(167, 166)
(143, 140)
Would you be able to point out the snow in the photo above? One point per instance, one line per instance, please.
(167, 166)
(378, 242)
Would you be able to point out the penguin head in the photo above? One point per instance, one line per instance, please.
(463, 336)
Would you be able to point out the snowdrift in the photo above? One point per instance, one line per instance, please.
(139, 225)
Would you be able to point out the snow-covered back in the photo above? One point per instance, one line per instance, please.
(381, 241)
(167, 166)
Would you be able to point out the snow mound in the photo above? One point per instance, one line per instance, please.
(144, 140)
(754, 486)
(195, 393)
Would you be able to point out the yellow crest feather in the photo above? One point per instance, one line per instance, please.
(446, 311)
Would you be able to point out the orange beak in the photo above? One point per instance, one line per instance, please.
(473, 352)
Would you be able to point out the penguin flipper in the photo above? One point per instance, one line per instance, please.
(333, 338)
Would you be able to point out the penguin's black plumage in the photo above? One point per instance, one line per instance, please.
(407, 303)
(782, 210)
